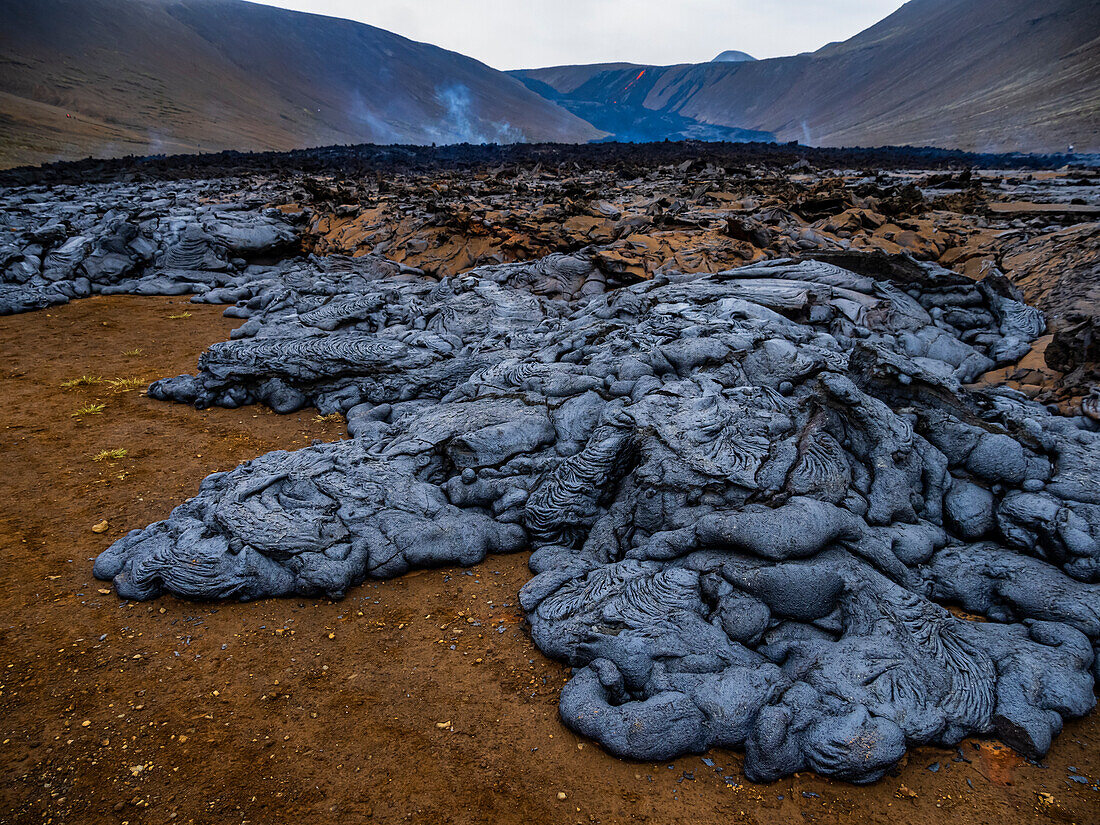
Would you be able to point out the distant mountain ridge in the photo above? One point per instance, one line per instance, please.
(733, 56)
(114, 77)
(980, 75)
(620, 113)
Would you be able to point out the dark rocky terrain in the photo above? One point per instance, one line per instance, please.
(803, 472)
(981, 75)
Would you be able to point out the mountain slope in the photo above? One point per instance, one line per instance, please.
(144, 76)
(985, 75)
(620, 113)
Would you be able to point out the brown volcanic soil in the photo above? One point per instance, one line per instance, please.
(415, 700)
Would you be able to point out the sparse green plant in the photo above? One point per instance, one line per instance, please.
(126, 384)
(82, 381)
(321, 419)
(88, 409)
(133, 353)
(110, 455)
(180, 315)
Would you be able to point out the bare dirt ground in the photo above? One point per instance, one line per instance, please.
(415, 700)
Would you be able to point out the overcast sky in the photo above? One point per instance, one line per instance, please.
(516, 34)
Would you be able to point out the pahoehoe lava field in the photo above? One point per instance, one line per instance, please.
(661, 482)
